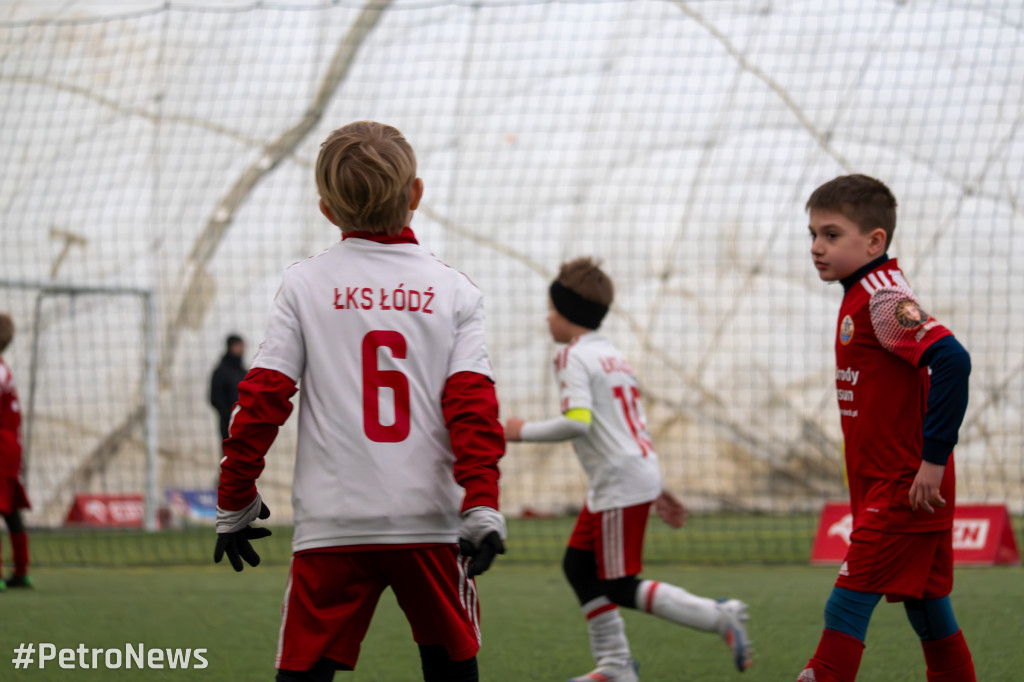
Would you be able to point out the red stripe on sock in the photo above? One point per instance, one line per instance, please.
(599, 610)
(649, 602)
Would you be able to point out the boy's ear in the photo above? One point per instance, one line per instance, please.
(416, 194)
(876, 242)
(327, 212)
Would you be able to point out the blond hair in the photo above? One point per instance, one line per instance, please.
(585, 277)
(365, 173)
(6, 331)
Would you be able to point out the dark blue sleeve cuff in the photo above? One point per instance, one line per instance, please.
(936, 451)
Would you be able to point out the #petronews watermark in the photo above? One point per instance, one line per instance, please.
(133, 656)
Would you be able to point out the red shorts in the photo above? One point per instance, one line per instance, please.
(615, 537)
(331, 597)
(12, 495)
(899, 565)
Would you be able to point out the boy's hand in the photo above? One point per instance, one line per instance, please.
(234, 534)
(924, 492)
(514, 428)
(671, 510)
(481, 537)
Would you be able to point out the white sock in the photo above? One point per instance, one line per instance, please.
(607, 633)
(677, 605)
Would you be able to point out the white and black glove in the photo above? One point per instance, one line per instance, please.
(234, 534)
(481, 537)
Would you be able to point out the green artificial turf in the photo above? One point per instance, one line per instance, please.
(532, 628)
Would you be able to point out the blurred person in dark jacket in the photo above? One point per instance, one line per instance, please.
(224, 381)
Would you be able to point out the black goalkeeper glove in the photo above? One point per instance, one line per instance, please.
(236, 543)
(483, 554)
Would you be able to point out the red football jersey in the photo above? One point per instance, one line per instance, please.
(10, 424)
(883, 396)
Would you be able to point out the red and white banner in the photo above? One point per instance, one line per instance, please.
(107, 511)
(982, 535)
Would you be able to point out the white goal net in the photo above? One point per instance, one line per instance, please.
(168, 146)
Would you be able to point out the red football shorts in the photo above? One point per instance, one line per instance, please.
(899, 565)
(12, 495)
(331, 597)
(615, 537)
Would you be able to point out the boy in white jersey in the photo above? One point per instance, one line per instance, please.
(399, 438)
(601, 414)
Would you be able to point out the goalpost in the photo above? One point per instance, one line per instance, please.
(70, 446)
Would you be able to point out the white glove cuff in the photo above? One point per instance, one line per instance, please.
(234, 521)
(479, 522)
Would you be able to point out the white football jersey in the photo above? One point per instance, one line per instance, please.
(372, 332)
(616, 452)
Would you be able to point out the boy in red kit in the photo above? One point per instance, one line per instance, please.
(901, 381)
(12, 493)
(396, 468)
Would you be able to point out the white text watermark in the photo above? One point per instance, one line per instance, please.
(29, 655)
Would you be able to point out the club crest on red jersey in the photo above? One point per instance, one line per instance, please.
(909, 314)
(846, 330)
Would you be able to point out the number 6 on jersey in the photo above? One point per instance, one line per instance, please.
(375, 378)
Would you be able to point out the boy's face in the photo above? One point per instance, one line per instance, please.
(559, 327)
(839, 247)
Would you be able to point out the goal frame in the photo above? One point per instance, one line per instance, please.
(150, 389)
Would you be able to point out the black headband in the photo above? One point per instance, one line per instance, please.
(575, 308)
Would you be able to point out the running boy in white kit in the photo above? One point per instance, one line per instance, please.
(399, 438)
(601, 414)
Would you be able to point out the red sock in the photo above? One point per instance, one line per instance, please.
(837, 658)
(19, 547)
(949, 659)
